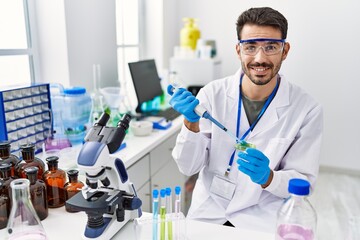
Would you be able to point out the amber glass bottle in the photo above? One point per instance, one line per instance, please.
(54, 179)
(29, 160)
(5, 202)
(6, 157)
(72, 187)
(37, 192)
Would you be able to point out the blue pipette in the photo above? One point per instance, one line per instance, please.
(202, 112)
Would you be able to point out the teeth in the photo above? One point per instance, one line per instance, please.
(259, 69)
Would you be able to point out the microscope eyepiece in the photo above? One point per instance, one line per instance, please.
(104, 118)
(124, 122)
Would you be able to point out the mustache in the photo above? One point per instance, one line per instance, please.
(265, 65)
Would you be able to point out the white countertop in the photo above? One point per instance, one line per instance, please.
(63, 225)
(60, 225)
(136, 147)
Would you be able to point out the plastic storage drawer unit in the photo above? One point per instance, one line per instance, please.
(25, 115)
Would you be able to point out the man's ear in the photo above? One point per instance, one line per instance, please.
(285, 51)
(237, 47)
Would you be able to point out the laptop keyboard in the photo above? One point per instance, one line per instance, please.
(169, 113)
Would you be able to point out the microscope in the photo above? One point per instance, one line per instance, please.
(108, 191)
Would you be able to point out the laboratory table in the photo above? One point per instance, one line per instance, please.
(63, 225)
(60, 225)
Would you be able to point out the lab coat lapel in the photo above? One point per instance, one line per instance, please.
(271, 116)
(232, 106)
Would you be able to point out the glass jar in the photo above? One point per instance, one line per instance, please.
(37, 192)
(29, 160)
(6, 157)
(5, 203)
(23, 223)
(72, 187)
(297, 219)
(54, 179)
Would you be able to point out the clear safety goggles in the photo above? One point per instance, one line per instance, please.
(270, 46)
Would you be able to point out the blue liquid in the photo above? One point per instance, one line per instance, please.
(155, 219)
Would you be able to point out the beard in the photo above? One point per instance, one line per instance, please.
(260, 80)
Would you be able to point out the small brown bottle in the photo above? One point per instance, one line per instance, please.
(72, 187)
(29, 160)
(5, 202)
(54, 179)
(37, 192)
(6, 157)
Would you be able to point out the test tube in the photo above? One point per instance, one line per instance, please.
(177, 211)
(169, 211)
(177, 200)
(155, 213)
(162, 213)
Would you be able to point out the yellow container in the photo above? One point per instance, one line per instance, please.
(189, 34)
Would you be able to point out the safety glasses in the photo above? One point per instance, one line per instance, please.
(270, 46)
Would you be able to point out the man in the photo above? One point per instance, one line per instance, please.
(245, 189)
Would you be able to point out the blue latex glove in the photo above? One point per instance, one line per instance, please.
(184, 102)
(255, 164)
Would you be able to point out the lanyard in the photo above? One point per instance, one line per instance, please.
(267, 103)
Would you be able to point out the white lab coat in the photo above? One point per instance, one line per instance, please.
(289, 134)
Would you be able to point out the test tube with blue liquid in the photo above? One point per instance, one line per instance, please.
(155, 213)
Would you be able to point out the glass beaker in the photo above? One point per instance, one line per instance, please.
(23, 223)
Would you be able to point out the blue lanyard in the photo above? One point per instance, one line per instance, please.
(267, 103)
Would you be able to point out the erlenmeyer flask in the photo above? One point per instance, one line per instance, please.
(23, 220)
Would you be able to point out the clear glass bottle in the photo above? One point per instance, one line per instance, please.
(297, 217)
(7, 157)
(5, 203)
(73, 186)
(37, 192)
(29, 160)
(55, 180)
(24, 224)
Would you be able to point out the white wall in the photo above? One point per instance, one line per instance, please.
(323, 59)
(73, 35)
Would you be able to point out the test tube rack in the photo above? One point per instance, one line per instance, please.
(25, 115)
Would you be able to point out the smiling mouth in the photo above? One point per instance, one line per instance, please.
(262, 69)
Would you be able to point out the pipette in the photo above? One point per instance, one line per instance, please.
(202, 112)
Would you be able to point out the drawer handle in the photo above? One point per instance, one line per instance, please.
(155, 185)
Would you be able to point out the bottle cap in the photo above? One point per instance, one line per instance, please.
(155, 193)
(5, 166)
(299, 187)
(29, 147)
(52, 159)
(31, 170)
(73, 172)
(162, 193)
(177, 190)
(75, 91)
(168, 191)
(4, 144)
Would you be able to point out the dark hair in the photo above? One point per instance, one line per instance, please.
(263, 16)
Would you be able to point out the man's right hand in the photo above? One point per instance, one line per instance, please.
(184, 102)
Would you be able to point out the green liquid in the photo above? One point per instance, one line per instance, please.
(170, 233)
(162, 224)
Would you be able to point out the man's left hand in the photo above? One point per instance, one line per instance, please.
(255, 164)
